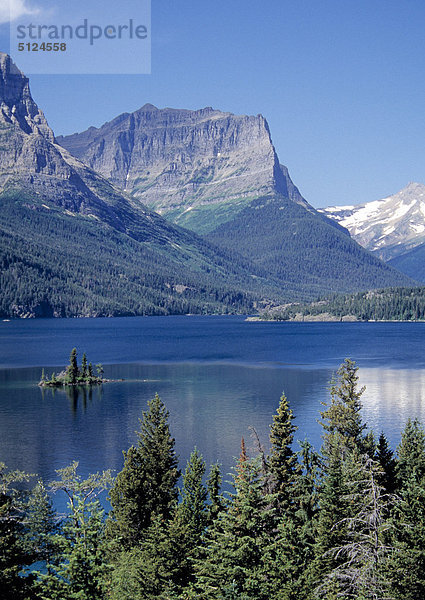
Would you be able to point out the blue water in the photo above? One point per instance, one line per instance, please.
(217, 376)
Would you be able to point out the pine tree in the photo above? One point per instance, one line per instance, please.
(232, 564)
(193, 510)
(81, 569)
(282, 461)
(147, 483)
(388, 464)
(343, 416)
(72, 371)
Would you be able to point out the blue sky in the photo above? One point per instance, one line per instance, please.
(341, 84)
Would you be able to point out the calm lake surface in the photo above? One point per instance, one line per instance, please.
(217, 376)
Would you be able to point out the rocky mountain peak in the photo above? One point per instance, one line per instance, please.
(177, 161)
(17, 107)
(389, 226)
(147, 107)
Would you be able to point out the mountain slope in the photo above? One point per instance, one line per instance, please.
(412, 263)
(298, 247)
(219, 175)
(72, 245)
(390, 226)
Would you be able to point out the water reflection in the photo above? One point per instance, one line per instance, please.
(211, 406)
(78, 395)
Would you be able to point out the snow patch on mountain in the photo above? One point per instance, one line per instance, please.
(389, 226)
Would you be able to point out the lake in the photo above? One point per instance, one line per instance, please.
(217, 376)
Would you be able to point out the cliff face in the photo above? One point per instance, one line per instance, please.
(35, 166)
(177, 161)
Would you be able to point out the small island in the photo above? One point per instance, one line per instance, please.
(73, 375)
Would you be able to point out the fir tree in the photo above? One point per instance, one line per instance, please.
(84, 369)
(216, 500)
(282, 461)
(363, 555)
(15, 553)
(147, 483)
(408, 565)
(193, 507)
(41, 524)
(411, 453)
(233, 559)
(72, 371)
(81, 569)
(343, 416)
(388, 464)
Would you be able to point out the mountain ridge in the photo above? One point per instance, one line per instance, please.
(390, 226)
(219, 174)
(71, 244)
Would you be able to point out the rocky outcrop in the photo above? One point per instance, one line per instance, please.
(38, 169)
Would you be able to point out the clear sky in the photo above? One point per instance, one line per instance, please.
(341, 83)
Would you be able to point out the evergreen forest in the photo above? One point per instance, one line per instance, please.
(390, 304)
(347, 521)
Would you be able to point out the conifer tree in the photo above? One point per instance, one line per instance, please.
(147, 483)
(15, 554)
(72, 371)
(362, 556)
(388, 464)
(81, 569)
(84, 371)
(342, 415)
(233, 561)
(411, 453)
(41, 524)
(157, 567)
(216, 500)
(193, 507)
(408, 564)
(282, 461)
(333, 510)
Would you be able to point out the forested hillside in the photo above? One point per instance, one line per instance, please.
(299, 248)
(347, 522)
(65, 265)
(390, 304)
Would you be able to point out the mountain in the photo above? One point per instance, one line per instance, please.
(71, 244)
(389, 227)
(412, 263)
(219, 175)
(197, 168)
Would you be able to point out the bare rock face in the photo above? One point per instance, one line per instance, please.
(176, 161)
(16, 104)
(37, 168)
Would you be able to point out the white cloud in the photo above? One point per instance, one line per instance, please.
(10, 10)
